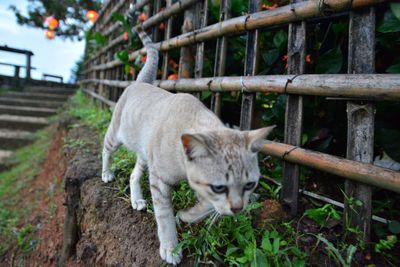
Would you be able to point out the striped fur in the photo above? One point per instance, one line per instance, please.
(176, 137)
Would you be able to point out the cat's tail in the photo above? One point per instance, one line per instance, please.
(148, 73)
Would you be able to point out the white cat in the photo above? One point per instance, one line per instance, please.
(176, 137)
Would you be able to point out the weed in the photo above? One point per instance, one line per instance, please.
(24, 238)
(323, 214)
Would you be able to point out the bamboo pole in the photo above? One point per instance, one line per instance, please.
(354, 170)
(167, 35)
(278, 16)
(203, 17)
(356, 86)
(220, 56)
(100, 98)
(250, 69)
(293, 116)
(360, 129)
(186, 59)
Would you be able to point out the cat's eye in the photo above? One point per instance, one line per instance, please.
(249, 186)
(219, 189)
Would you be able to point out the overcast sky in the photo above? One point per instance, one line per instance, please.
(55, 56)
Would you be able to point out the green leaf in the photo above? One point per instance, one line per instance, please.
(394, 227)
(100, 39)
(350, 253)
(231, 249)
(118, 17)
(298, 262)
(261, 259)
(270, 56)
(280, 40)
(266, 243)
(205, 95)
(394, 68)
(275, 245)
(389, 23)
(395, 7)
(330, 62)
(122, 55)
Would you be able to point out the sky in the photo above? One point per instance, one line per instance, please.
(55, 56)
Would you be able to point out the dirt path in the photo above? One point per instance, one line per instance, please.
(45, 194)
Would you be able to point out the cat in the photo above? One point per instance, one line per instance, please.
(176, 137)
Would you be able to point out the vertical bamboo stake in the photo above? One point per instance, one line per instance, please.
(156, 31)
(186, 60)
(293, 116)
(220, 56)
(202, 10)
(250, 69)
(360, 115)
(167, 35)
(202, 18)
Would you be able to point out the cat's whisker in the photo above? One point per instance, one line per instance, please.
(213, 220)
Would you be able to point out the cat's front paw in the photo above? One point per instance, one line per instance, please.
(168, 255)
(138, 204)
(107, 176)
(185, 216)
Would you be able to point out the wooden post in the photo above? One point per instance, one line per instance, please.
(167, 35)
(202, 19)
(16, 76)
(360, 115)
(28, 66)
(250, 69)
(293, 116)
(156, 31)
(186, 60)
(202, 8)
(220, 56)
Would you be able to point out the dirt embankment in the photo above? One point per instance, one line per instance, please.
(108, 231)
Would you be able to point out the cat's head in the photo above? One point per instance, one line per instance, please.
(222, 166)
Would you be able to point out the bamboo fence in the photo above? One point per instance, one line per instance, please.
(104, 79)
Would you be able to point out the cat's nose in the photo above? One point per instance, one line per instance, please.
(236, 209)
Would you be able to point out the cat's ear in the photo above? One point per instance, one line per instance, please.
(194, 146)
(255, 135)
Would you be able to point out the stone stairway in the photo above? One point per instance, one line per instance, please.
(24, 112)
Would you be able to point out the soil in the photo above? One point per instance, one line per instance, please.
(111, 233)
(47, 215)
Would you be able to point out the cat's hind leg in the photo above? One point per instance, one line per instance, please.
(111, 143)
(137, 201)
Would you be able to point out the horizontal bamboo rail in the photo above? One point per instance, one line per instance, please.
(354, 170)
(357, 86)
(281, 15)
(152, 21)
(102, 99)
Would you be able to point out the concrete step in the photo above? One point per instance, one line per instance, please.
(6, 159)
(26, 123)
(27, 111)
(12, 139)
(35, 96)
(50, 90)
(29, 102)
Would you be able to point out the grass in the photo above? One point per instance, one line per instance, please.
(244, 240)
(29, 160)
